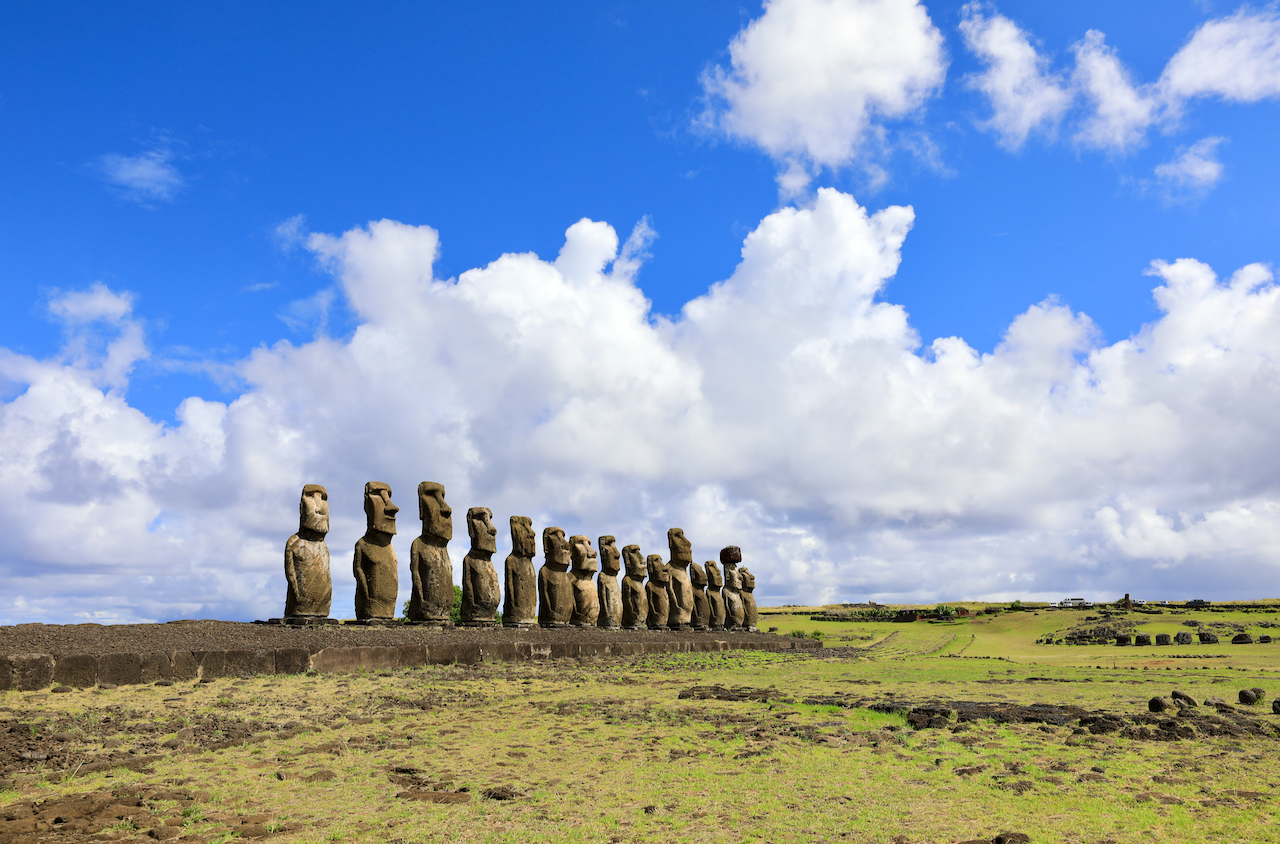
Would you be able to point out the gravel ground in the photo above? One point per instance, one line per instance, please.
(65, 639)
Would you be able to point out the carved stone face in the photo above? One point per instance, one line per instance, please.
(609, 556)
(524, 543)
(681, 550)
(635, 562)
(715, 580)
(658, 571)
(584, 556)
(697, 576)
(379, 512)
(484, 536)
(555, 548)
(747, 579)
(313, 509)
(436, 515)
(730, 554)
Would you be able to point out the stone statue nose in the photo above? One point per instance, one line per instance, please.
(391, 509)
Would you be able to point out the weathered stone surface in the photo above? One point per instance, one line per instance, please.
(29, 672)
(1159, 704)
(608, 592)
(1162, 639)
(679, 586)
(555, 586)
(1207, 638)
(155, 666)
(657, 590)
(520, 599)
(635, 600)
(1182, 637)
(701, 618)
(734, 609)
(374, 565)
(306, 558)
(586, 598)
(750, 613)
(479, 578)
(715, 582)
(1184, 697)
(77, 670)
(255, 663)
(1264, 640)
(1123, 639)
(1242, 639)
(1142, 639)
(430, 568)
(213, 664)
(1275, 706)
(184, 665)
(122, 669)
(292, 660)
(340, 659)
(1247, 697)
(1258, 694)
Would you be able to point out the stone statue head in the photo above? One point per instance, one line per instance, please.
(481, 530)
(555, 548)
(681, 550)
(635, 562)
(313, 509)
(524, 542)
(379, 512)
(747, 579)
(609, 558)
(658, 571)
(436, 515)
(583, 555)
(715, 580)
(730, 555)
(697, 576)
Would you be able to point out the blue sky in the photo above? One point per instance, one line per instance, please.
(184, 158)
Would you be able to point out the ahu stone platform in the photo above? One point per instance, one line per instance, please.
(37, 656)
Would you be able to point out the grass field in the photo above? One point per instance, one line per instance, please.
(736, 747)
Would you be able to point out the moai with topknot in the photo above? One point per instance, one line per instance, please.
(479, 578)
(585, 564)
(431, 600)
(701, 619)
(715, 582)
(635, 600)
(555, 587)
(734, 610)
(750, 614)
(608, 593)
(520, 598)
(374, 565)
(306, 559)
(657, 590)
(679, 588)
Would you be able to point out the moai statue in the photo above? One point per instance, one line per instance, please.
(715, 581)
(679, 589)
(701, 619)
(520, 601)
(375, 565)
(306, 558)
(479, 578)
(429, 564)
(555, 588)
(657, 590)
(607, 592)
(635, 601)
(586, 603)
(750, 615)
(734, 611)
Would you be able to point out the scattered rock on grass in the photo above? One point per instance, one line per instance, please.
(1159, 704)
(1247, 697)
(1242, 639)
(501, 792)
(1184, 697)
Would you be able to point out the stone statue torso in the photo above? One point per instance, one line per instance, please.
(310, 588)
(376, 567)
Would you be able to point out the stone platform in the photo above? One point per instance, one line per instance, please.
(36, 656)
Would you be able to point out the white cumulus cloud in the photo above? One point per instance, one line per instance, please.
(810, 80)
(788, 410)
(1193, 171)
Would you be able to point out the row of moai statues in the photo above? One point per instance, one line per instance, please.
(565, 592)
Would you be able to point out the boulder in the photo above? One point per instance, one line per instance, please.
(1159, 704)
(1163, 639)
(1214, 701)
(1275, 706)
(1142, 639)
(1122, 639)
(1247, 697)
(1184, 697)
(1258, 693)
(1264, 640)
(1242, 639)
(1182, 638)
(1207, 638)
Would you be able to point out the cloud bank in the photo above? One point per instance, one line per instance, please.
(789, 410)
